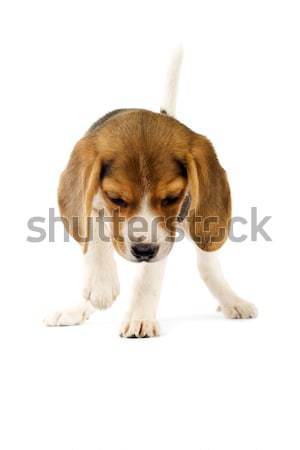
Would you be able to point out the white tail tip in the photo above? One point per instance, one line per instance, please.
(168, 104)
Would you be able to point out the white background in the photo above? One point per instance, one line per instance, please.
(207, 383)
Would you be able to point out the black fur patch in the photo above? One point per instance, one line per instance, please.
(106, 169)
(184, 208)
(107, 116)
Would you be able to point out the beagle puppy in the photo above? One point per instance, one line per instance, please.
(132, 183)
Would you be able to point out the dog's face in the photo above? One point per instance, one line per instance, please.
(142, 183)
(138, 167)
(143, 195)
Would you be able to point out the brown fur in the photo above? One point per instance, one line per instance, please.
(135, 152)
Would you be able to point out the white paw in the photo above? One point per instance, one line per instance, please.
(239, 309)
(68, 317)
(102, 290)
(139, 328)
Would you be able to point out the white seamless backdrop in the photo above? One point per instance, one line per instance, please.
(207, 383)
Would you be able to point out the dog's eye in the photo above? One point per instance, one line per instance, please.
(170, 200)
(117, 200)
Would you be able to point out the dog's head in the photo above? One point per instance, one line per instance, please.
(146, 172)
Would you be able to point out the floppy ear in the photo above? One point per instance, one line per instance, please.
(78, 185)
(210, 210)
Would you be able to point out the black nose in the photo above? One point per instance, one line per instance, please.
(144, 252)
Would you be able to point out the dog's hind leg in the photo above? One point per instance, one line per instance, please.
(70, 316)
(231, 305)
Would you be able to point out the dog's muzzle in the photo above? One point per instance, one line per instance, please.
(144, 252)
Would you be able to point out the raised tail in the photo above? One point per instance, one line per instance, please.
(168, 104)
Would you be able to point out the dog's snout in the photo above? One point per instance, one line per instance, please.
(144, 252)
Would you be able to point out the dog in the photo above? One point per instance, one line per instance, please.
(137, 164)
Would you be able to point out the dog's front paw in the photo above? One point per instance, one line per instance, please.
(139, 329)
(102, 291)
(239, 309)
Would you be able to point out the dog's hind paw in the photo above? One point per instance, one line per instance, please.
(238, 309)
(69, 317)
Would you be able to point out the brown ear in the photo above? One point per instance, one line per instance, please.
(78, 185)
(210, 211)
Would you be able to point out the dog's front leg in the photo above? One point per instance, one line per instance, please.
(231, 305)
(101, 283)
(140, 320)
